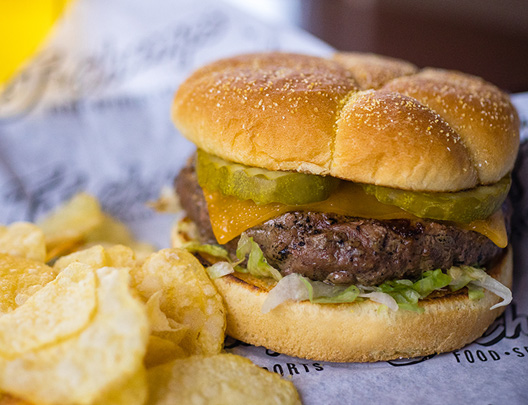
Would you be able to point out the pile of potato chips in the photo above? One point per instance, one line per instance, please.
(88, 315)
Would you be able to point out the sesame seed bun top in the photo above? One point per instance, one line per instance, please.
(359, 117)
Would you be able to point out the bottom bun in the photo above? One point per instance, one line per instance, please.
(358, 332)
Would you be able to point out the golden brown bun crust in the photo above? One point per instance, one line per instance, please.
(476, 110)
(362, 118)
(372, 71)
(359, 331)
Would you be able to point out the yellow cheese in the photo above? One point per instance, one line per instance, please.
(493, 227)
(231, 216)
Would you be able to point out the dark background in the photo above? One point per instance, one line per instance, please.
(488, 38)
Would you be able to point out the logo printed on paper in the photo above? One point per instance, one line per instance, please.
(109, 66)
(510, 325)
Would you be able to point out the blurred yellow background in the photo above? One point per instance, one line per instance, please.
(24, 24)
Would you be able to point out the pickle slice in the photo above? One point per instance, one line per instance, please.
(462, 206)
(261, 185)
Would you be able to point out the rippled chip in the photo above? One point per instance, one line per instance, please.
(97, 257)
(111, 231)
(121, 256)
(161, 351)
(131, 391)
(166, 334)
(187, 297)
(67, 226)
(94, 256)
(57, 311)
(19, 279)
(160, 324)
(23, 239)
(91, 364)
(80, 223)
(218, 379)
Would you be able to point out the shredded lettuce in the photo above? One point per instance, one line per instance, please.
(298, 288)
(395, 294)
(321, 293)
(220, 269)
(213, 250)
(459, 278)
(476, 280)
(290, 288)
(381, 298)
(407, 294)
(481, 279)
(431, 281)
(295, 287)
(475, 293)
(257, 265)
(404, 294)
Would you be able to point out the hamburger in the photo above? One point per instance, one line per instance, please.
(351, 208)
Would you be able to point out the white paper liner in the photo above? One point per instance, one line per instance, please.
(91, 113)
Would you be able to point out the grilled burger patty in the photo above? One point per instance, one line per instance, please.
(345, 250)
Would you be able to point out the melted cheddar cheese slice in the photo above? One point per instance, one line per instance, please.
(231, 216)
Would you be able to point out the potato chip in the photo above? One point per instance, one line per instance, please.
(19, 279)
(62, 248)
(112, 231)
(23, 239)
(132, 391)
(188, 297)
(217, 379)
(80, 224)
(60, 309)
(97, 256)
(70, 222)
(166, 334)
(158, 320)
(160, 351)
(94, 256)
(120, 256)
(81, 368)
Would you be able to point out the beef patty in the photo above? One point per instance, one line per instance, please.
(343, 249)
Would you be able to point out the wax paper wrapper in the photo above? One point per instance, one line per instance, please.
(91, 113)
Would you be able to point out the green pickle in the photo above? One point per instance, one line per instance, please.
(261, 185)
(462, 206)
